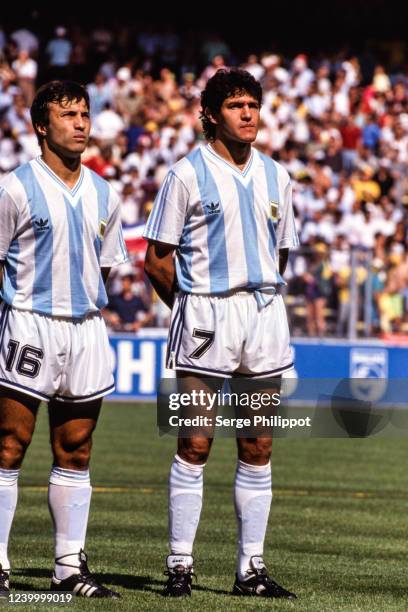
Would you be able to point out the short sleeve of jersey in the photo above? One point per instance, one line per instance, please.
(113, 251)
(287, 237)
(167, 219)
(8, 221)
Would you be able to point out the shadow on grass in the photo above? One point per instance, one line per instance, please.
(31, 572)
(26, 586)
(127, 581)
(146, 583)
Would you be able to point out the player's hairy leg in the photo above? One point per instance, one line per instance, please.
(69, 495)
(186, 482)
(256, 449)
(18, 414)
(194, 443)
(71, 428)
(17, 421)
(253, 495)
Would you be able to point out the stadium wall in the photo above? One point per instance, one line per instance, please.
(140, 361)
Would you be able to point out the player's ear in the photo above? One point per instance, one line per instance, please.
(41, 129)
(211, 116)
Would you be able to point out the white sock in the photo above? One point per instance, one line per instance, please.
(185, 501)
(69, 498)
(8, 503)
(173, 561)
(252, 497)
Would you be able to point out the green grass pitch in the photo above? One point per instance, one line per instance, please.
(337, 535)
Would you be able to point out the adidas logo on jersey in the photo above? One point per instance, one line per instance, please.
(213, 208)
(42, 224)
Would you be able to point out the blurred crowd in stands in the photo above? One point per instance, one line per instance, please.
(339, 127)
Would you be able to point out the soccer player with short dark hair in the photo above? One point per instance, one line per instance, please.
(60, 233)
(219, 235)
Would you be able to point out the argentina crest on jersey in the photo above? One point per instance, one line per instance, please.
(102, 228)
(274, 211)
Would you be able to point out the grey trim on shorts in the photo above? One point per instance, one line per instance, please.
(235, 374)
(23, 389)
(85, 398)
(47, 398)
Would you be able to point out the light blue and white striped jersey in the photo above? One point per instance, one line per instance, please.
(54, 240)
(228, 224)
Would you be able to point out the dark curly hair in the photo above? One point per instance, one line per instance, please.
(223, 85)
(57, 92)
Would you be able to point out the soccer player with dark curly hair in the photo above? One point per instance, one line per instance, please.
(219, 235)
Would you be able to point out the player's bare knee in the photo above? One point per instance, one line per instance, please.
(255, 452)
(72, 451)
(194, 450)
(13, 447)
(75, 459)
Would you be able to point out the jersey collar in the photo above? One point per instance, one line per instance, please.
(242, 173)
(72, 193)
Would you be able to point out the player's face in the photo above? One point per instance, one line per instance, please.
(68, 127)
(238, 119)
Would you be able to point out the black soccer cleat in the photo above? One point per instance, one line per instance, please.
(83, 583)
(180, 574)
(259, 584)
(4, 582)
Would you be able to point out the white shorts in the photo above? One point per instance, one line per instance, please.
(53, 357)
(229, 336)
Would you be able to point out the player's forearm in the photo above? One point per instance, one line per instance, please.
(161, 270)
(163, 281)
(283, 260)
